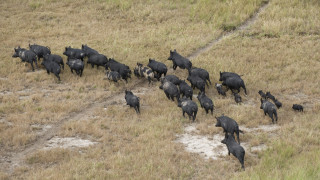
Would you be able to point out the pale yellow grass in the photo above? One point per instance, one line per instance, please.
(142, 146)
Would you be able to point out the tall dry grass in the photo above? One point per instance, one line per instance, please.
(126, 30)
(277, 58)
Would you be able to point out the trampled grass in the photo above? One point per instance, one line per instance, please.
(279, 53)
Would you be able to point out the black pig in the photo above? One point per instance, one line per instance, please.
(189, 107)
(297, 107)
(52, 67)
(25, 56)
(158, 68)
(185, 89)
(229, 126)
(235, 149)
(269, 108)
(179, 61)
(132, 101)
(40, 51)
(77, 65)
(205, 102)
(170, 89)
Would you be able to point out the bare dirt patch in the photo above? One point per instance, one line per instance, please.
(4, 121)
(68, 142)
(265, 128)
(207, 147)
(211, 146)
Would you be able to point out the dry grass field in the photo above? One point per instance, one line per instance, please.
(279, 52)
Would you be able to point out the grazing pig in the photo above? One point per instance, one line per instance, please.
(172, 78)
(122, 69)
(170, 89)
(77, 65)
(98, 60)
(40, 51)
(220, 89)
(205, 102)
(234, 83)
(179, 60)
(55, 58)
(25, 56)
(52, 67)
(237, 98)
(132, 101)
(262, 94)
(197, 82)
(113, 76)
(202, 73)
(226, 75)
(88, 51)
(270, 96)
(144, 72)
(269, 108)
(189, 107)
(229, 126)
(235, 149)
(297, 107)
(72, 53)
(185, 89)
(158, 68)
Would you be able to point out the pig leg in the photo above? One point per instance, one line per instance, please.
(32, 66)
(174, 66)
(237, 133)
(241, 159)
(57, 75)
(36, 63)
(209, 80)
(271, 116)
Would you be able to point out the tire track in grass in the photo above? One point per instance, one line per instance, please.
(243, 25)
(16, 159)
